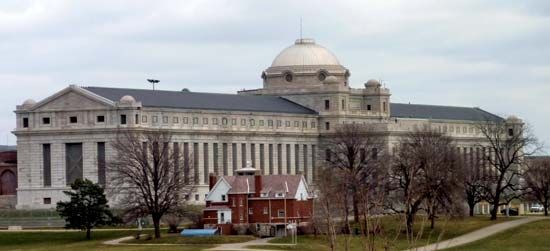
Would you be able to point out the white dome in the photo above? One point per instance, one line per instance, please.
(305, 52)
(127, 99)
(29, 102)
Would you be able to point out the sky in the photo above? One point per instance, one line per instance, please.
(489, 54)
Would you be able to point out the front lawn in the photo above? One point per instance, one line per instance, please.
(70, 241)
(177, 239)
(393, 237)
(531, 236)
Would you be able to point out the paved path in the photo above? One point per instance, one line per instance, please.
(477, 234)
(243, 245)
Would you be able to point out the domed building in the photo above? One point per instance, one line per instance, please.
(279, 128)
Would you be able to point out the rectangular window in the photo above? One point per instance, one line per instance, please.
(343, 104)
(205, 121)
(288, 159)
(165, 119)
(47, 164)
(279, 158)
(215, 121)
(304, 124)
(205, 161)
(25, 122)
(73, 160)
(155, 119)
(279, 123)
(252, 123)
(233, 121)
(287, 123)
(262, 160)
(250, 211)
(101, 163)
(265, 210)
(136, 119)
(196, 162)
(281, 213)
(296, 124)
(185, 120)
(368, 108)
(186, 162)
(313, 162)
(216, 159)
(270, 155)
(297, 158)
(243, 155)
(224, 158)
(223, 197)
(327, 104)
(327, 126)
(47, 201)
(197, 197)
(46, 120)
(253, 155)
(241, 202)
(123, 119)
(261, 122)
(100, 119)
(195, 121)
(144, 119)
(385, 106)
(175, 120)
(243, 122)
(234, 156)
(270, 123)
(305, 167)
(313, 124)
(510, 132)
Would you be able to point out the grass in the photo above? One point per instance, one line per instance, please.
(177, 239)
(69, 241)
(392, 236)
(532, 236)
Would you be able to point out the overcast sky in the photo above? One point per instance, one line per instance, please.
(490, 54)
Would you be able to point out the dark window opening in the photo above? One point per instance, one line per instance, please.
(47, 201)
(384, 104)
(327, 126)
(73, 119)
(73, 160)
(137, 119)
(100, 119)
(368, 107)
(288, 77)
(327, 104)
(47, 164)
(46, 120)
(25, 122)
(123, 119)
(510, 132)
(343, 104)
(101, 163)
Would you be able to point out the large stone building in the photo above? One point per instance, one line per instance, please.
(278, 128)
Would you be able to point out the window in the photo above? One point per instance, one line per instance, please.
(343, 104)
(101, 163)
(385, 106)
(233, 202)
(73, 119)
(252, 122)
(195, 120)
(144, 119)
(279, 195)
(233, 121)
(137, 119)
(185, 120)
(368, 107)
(224, 121)
(261, 122)
(47, 165)
(250, 211)
(205, 121)
(243, 122)
(241, 202)
(510, 132)
(327, 126)
(101, 119)
(287, 123)
(155, 119)
(47, 201)
(270, 123)
(46, 120)
(327, 104)
(165, 119)
(25, 122)
(279, 123)
(313, 124)
(281, 213)
(265, 210)
(304, 124)
(288, 77)
(197, 197)
(322, 76)
(296, 124)
(175, 120)
(215, 121)
(73, 162)
(263, 195)
(123, 119)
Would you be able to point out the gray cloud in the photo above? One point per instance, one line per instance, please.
(492, 54)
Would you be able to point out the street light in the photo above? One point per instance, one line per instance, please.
(153, 81)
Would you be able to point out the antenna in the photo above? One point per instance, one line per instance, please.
(153, 81)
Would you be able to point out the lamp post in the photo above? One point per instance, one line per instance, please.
(153, 81)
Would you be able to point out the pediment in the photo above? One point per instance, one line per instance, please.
(72, 98)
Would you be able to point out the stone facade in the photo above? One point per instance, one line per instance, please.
(220, 140)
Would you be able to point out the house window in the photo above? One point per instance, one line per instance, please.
(196, 197)
(241, 202)
(270, 123)
(73, 119)
(224, 121)
(100, 119)
(327, 126)
(165, 119)
(510, 132)
(304, 124)
(279, 123)
(137, 119)
(296, 124)
(155, 119)
(175, 120)
(250, 211)
(123, 119)
(25, 122)
(205, 121)
(215, 121)
(46, 120)
(233, 121)
(281, 213)
(195, 120)
(343, 104)
(263, 195)
(47, 201)
(185, 120)
(368, 107)
(252, 122)
(327, 104)
(261, 122)
(265, 210)
(279, 195)
(223, 197)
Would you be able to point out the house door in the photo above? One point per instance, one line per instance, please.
(222, 218)
(8, 183)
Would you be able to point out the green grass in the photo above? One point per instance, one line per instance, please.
(532, 236)
(70, 241)
(177, 239)
(392, 236)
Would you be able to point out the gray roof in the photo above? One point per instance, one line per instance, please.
(440, 112)
(208, 101)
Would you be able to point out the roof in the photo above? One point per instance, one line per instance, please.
(206, 101)
(441, 112)
(305, 52)
(271, 184)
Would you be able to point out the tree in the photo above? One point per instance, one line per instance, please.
(151, 174)
(356, 150)
(473, 180)
(87, 207)
(537, 181)
(507, 143)
(423, 172)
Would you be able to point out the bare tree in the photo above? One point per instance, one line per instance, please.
(508, 142)
(355, 150)
(473, 180)
(327, 209)
(537, 181)
(423, 173)
(148, 171)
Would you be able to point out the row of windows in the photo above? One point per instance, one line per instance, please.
(232, 121)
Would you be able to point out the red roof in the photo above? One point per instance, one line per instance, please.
(271, 184)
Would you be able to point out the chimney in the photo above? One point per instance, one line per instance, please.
(257, 185)
(211, 181)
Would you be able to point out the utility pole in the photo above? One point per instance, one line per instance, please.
(153, 81)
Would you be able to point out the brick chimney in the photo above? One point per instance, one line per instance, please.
(212, 181)
(257, 185)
